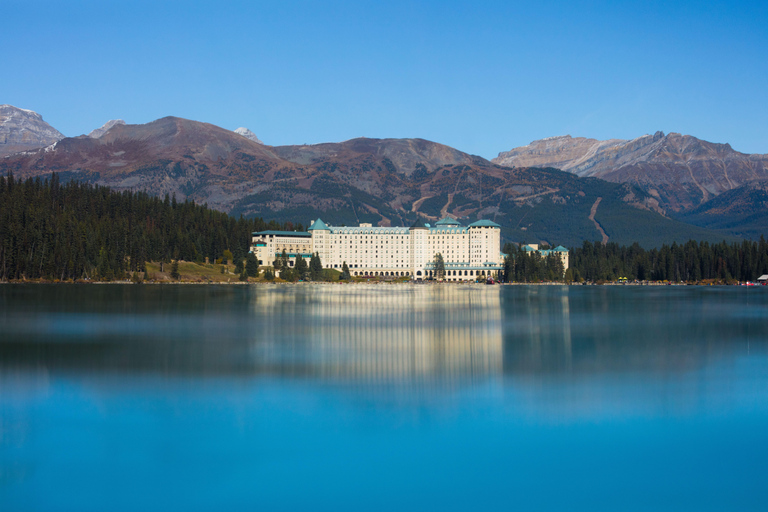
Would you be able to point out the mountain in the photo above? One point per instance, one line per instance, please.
(381, 181)
(22, 130)
(742, 211)
(98, 132)
(248, 134)
(407, 155)
(680, 171)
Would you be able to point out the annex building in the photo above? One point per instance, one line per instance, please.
(468, 251)
(559, 251)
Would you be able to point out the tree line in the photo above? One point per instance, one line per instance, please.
(521, 266)
(690, 262)
(76, 230)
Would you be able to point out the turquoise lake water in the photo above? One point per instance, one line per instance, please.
(387, 397)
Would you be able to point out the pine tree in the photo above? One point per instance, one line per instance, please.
(315, 267)
(439, 266)
(175, 270)
(301, 267)
(251, 265)
(345, 272)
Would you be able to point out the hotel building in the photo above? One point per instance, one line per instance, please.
(468, 251)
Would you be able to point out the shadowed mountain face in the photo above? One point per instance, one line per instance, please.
(680, 171)
(22, 130)
(742, 211)
(382, 181)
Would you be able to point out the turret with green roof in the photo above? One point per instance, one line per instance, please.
(318, 225)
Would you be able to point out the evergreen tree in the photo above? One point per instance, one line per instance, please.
(288, 274)
(439, 266)
(301, 267)
(315, 267)
(284, 260)
(175, 270)
(345, 276)
(251, 265)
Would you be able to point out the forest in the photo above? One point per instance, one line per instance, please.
(690, 262)
(72, 231)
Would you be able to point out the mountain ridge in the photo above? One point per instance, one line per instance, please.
(382, 181)
(680, 171)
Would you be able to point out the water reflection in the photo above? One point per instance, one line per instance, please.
(577, 330)
(366, 333)
(377, 333)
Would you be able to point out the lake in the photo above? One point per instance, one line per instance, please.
(383, 397)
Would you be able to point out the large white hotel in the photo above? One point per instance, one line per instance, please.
(468, 251)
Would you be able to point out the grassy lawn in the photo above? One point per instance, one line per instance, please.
(192, 272)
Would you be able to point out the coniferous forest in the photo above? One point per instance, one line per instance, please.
(690, 262)
(50, 230)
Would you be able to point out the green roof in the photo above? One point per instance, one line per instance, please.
(317, 225)
(447, 221)
(560, 248)
(300, 234)
(484, 224)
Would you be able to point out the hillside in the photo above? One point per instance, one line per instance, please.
(742, 211)
(382, 181)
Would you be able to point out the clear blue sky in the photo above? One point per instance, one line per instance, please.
(482, 77)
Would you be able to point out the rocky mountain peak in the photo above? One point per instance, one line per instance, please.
(98, 132)
(248, 134)
(681, 171)
(22, 130)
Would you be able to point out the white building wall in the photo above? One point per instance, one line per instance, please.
(391, 251)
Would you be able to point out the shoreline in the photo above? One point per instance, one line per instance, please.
(333, 283)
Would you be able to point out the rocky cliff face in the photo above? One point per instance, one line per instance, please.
(22, 130)
(680, 171)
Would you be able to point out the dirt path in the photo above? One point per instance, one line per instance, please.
(417, 204)
(523, 198)
(444, 210)
(597, 224)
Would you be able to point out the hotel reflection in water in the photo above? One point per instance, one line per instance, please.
(388, 334)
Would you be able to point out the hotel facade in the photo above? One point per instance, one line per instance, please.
(468, 252)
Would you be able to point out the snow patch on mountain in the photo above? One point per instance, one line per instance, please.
(248, 134)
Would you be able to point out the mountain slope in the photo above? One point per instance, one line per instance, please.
(680, 171)
(742, 211)
(22, 130)
(382, 181)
